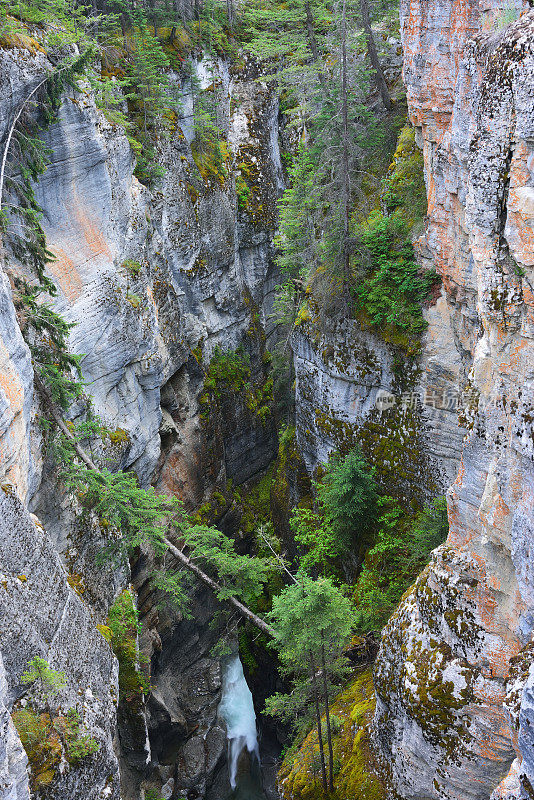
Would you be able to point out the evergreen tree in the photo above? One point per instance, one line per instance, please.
(348, 501)
(312, 623)
(47, 682)
(401, 550)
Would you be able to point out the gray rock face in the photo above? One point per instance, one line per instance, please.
(204, 278)
(13, 760)
(352, 388)
(453, 672)
(41, 615)
(203, 265)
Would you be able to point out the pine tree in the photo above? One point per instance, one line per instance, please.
(47, 682)
(312, 623)
(348, 501)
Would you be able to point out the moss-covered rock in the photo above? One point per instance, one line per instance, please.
(357, 775)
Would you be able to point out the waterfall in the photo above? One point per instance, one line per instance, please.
(237, 710)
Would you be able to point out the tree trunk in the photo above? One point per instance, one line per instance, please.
(315, 689)
(380, 81)
(230, 10)
(184, 560)
(312, 41)
(328, 727)
(153, 15)
(345, 156)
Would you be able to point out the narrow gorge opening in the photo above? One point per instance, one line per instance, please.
(266, 402)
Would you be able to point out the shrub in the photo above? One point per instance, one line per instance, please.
(132, 267)
(41, 743)
(391, 297)
(78, 743)
(402, 549)
(228, 371)
(348, 497)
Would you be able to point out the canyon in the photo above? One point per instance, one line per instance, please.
(453, 678)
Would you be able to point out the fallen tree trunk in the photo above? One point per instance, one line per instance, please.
(190, 565)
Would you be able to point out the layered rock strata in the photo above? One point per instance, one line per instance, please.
(154, 281)
(453, 673)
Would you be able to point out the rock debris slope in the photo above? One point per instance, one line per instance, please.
(453, 675)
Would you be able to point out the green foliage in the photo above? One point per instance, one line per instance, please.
(123, 622)
(228, 371)
(243, 191)
(392, 295)
(296, 239)
(78, 743)
(347, 498)
(357, 775)
(152, 793)
(48, 333)
(46, 736)
(317, 541)
(307, 613)
(174, 592)
(41, 744)
(109, 96)
(134, 516)
(241, 575)
(402, 549)
(133, 268)
(312, 621)
(69, 20)
(47, 682)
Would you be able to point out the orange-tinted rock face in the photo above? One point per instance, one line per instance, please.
(443, 676)
(16, 394)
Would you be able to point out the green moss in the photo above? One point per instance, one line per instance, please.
(257, 503)
(212, 510)
(47, 741)
(123, 623)
(229, 373)
(357, 776)
(431, 698)
(117, 436)
(391, 443)
(42, 745)
(211, 156)
(254, 188)
(404, 187)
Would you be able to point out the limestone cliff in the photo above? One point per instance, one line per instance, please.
(154, 281)
(453, 673)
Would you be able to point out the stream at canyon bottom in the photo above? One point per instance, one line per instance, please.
(237, 710)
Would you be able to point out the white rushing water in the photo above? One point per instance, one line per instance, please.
(237, 710)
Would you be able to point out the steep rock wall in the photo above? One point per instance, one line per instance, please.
(203, 278)
(452, 676)
(43, 616)
(352, 387)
